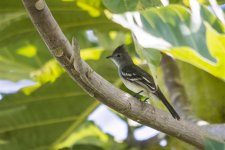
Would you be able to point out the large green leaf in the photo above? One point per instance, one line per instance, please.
(175, 25)
(216, 46)
(22, 51)
(203, 91)
(44, 118)
(193, 36)
(56, 109)
(51, 114)
(120, 6)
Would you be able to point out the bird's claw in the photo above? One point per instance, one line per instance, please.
(137, 94)
(146, 100)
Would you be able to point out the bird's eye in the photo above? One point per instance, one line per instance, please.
(118, 55)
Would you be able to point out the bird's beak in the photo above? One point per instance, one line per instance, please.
(108, 57)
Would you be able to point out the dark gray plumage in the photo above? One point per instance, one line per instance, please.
(136, 79)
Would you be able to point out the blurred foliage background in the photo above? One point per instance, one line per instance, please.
(52, 113)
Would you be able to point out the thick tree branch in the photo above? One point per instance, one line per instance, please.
(218, 129)
(101, 89)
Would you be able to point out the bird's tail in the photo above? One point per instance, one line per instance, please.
(160, 95)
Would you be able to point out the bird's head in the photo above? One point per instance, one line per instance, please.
(120, 56)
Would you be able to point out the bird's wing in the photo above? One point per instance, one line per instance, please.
(137, 75)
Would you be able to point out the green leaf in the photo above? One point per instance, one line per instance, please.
(121, 6)
(44, 118)
(89, 134)
(216, 46)
(93, 53)
(22, 50)
(48, 73)
(201, 86)
(188, 36)
(118, 6)
(86, 147)
(152, 56)
(172, 24)
(111, 40)
(52, 112)
(211, 144)
(91, 6)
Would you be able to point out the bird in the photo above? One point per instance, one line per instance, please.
(138, 80)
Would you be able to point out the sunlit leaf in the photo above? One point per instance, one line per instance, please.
(48, 73)
(91, 53)
(216, 46)
(184, 34)
(27, 51)
(92, 6)
(87, 133)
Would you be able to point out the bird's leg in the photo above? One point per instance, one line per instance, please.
(137, 94)
(145, 101)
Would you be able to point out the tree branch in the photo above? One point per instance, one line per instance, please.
(219, 129)
(101, 89)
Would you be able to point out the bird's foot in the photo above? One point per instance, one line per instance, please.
(146, 100)
(136, 95)
(144, 103)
